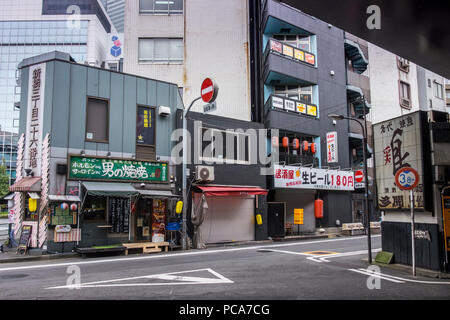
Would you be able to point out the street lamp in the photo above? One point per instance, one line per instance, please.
(366, 180)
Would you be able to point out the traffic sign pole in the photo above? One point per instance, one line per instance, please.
(411, 198)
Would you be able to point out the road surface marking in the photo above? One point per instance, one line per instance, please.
(344, 254)
(405, 279)
(375, 274)
(162, 256)
(173, 276)
(320, 253)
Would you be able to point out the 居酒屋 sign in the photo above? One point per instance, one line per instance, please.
(312, 178)
(108, 169)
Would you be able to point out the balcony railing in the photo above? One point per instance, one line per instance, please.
(291, 106)
(290, 52)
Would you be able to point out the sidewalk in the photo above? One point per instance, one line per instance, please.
(419, 271)
(10, 255)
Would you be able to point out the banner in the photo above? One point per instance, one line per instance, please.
(93, 168)
(312, 178)
(332, 147)
(145, 126)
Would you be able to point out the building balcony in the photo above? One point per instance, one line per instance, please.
(355, 54)
(285, 64)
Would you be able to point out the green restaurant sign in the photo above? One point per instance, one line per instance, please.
(109, 169)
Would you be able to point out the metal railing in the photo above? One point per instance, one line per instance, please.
(4, 232)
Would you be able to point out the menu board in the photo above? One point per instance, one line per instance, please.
(119, 212)
(159, 220)
(24, 239)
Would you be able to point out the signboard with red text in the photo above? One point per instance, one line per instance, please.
(313, 178)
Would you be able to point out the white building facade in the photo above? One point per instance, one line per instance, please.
(187, 41)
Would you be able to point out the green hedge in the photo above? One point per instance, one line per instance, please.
(3, 215)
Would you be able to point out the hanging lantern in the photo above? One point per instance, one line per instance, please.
(32, 204)
(296, 144)
(73, 207)
(285, 142)
(313, 147)
(275, 142)
(64, 206)
(305, 145)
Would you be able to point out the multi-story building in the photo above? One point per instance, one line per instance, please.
(94, 155)
(304, 77)
(187, 41)
(31, 27)
(116, 12)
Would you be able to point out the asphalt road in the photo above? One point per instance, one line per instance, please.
(275, 271)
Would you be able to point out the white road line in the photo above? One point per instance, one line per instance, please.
(411, 280)
(175, 255)
(376, 275)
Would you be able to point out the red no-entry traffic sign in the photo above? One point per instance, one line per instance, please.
(359, 176)
(209, 90)
(406, 178)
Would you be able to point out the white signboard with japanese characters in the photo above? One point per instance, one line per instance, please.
(397, 145)
(313, 178)
(332, 147)
(35, 111)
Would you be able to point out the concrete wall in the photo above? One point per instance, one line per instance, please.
(215, 37)
(384, 77)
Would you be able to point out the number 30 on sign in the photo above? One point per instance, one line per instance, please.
(406, 178)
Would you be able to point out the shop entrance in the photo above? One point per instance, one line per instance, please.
(276, 219)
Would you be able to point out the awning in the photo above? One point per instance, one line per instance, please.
(354, 53)
(157, 193)
(64, 198)
(232, 191)
(9, 196)
(112, 189)
(27, 184)
(34, 195)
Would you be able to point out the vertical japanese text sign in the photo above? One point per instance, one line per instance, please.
(35, 111)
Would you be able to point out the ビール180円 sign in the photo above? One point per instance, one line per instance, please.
(93, 168)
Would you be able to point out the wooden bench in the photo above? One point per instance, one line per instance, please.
(92, 251)
(353, 228)
(147, 247)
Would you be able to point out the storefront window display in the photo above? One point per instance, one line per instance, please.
(30, 215)
(95, 209)
(151, 220)
(61, 214)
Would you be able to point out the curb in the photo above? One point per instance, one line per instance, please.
(39, 258)
(419, 271)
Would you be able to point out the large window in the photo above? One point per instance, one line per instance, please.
(161, 6)
(300, 42)
(160, 49)
(97, 120)
(295, 92)
(224, 146)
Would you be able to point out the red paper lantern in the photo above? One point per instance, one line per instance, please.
(275, 141)
(295, 143)
(313, 147)
(285, 142)
(305, 145)
(318, 208)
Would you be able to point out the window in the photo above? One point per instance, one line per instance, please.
(161, 6)
(160, 49)
(62, 216)
(429, 83)
(95, 209)
(295, 92)
(225, 146)
(97, 120)
(405, 95)
(298, 41)
(438, 92)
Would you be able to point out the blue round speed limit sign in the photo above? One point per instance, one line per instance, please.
(406, 178)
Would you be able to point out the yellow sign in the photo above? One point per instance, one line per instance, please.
(298, 216)
(301, 107)
(288, 51)
(312, 110)
(299, 55)
(446, 216)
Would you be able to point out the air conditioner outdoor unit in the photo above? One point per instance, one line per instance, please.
(164, 111)
(405, 103)
(204, 173)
